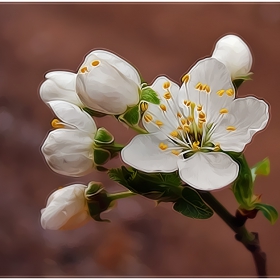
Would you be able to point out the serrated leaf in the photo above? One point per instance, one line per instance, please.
(191, 205)
(261, 168)
(268, 211)
(103, 136)
(149, 95)
(131, 116)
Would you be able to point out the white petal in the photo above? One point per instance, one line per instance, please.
(235, 54)
(213, 73)
(64, 205)
(248, 115)
(69, 152)
(143, 153)
(124, 67)
(60, 85)
(208, 171)
(103, 88)
(74, 116)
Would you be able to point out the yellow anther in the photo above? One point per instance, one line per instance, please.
(166, 85)
(174, 133)
(230, 92)
(159, 123)
(199, 107)
(174, 152)
(144, 106)
(167, 95)
(162, 107)
(84, 70)
(190, 119)
(201, 115)
(148, 118)
(183, 121)
(220, 92)
(198, 86)
(60, 187)
(207, 89)
(195, 145)
(231, 128)
(187, 102)
(202, 120)
(186, 78)
(217, 147)
(179, 127)
(57, 123)
(95, 63)
(223, 111)
(204, 87)
(163, 146)
(187, 129)
(179, 115)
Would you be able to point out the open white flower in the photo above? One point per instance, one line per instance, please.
(193, 124)
(66, 209)
(232, 51)
(60, 85)
(108, 84)
(68, 149)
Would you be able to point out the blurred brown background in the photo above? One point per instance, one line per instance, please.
(141, 240)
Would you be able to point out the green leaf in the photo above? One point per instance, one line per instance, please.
(131, 116)
(243, 185)
(261, 168)
(94, 113)
(103, 136)
(191, 205)
(101, 156)
(268, 211)
(149, 95)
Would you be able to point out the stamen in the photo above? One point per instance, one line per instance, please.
(174, 152)
(231, 128)
(204, 87)
(163, 146)
(144, 106)
(198, 86)
(166, 85)
(183, 121)
(159, 123)
(223, 111)
(220, 92)
(217, 147)
(190, 119)
(162, 107)
(186, 78)
(179, 127)
(179, 115)
(56, 123)
(201, 115)
(167, 95)
(148, 118)
(230, 92)
(208, 89)
(196, 145)
(84, 70)
(174, 133)
(187, 128)
(187, 103)
(95, 63)
(199, 107)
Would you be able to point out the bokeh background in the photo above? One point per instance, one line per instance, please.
(142, 239)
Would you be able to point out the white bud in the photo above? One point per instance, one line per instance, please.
(233, 52)
(107, 83)
(66, 209)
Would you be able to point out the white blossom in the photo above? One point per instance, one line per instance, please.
(108, 84)
(66, 209)
(194, 124)
(232, 51)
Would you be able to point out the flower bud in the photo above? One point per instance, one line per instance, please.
(66, 209)
(108, 84)
(233, 52)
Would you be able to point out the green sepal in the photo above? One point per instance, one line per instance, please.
(131, 116)
(261, 168)
(94, 113)
(243, 185)
(268, 211)
(239, 80)
(93, 189)
(101, 156)
(149, 95)
(191, 205)
(103, 136)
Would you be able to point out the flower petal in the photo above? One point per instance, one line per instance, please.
(208, 171)
(219, 94)
(74, 116)
(143, 153)
(124, 67)
(60, 85)
(246, 116)
(69, 152)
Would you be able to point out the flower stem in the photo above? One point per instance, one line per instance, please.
(115, 196)
(249, 239)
